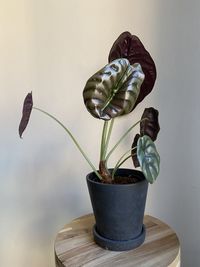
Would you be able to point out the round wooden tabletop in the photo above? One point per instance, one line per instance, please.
(74, 247)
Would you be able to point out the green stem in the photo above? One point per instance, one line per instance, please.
(123, 136)
(108, 136)
(103, 140)
(73, 139)
(118, 164)
(106, 133)
(122, 163)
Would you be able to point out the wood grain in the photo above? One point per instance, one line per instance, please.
(74, 247)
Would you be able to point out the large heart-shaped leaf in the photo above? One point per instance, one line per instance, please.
(148, 158)
(129, 46)
(113, 90)
(26, 112)
(150, 126)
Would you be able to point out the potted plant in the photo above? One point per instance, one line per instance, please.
(118, 195)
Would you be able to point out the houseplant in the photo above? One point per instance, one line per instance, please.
(118, 195)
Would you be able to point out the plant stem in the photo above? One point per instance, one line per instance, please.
(108, 137)
(103, 140)
(73, 139)
(122, 163)
(106, 133)
(119, 163)
(123, 136)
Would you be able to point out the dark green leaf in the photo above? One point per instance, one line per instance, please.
(148, 158)
(150, 126)
(129, 46)
(134, 151)
(113, 90)
(26, 112)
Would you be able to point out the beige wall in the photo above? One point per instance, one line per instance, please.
(52, 47)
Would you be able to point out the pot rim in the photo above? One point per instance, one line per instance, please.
(119, 185)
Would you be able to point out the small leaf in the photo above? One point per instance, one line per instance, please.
(134, 151)
(130, 47)
(27, 108)
(150, 126)
(113, 90)
(148, 158)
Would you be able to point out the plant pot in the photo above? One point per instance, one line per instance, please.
(119, 211)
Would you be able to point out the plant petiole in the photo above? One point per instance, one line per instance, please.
(123, 136)
(73, 139)
(120, 162)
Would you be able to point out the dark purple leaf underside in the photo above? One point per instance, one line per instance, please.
(130, 47)
(134, 151)
(150, 126)
(27, 108)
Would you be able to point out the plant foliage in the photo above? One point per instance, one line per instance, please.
(113, 90)
(26, 112)
(149, 124)
(148, 158)
(129, 46)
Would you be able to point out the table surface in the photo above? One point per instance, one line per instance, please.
(74, 247)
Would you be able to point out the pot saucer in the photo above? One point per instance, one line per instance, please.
(119, 245)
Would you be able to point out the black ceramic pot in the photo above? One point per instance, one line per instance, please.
(119, 211)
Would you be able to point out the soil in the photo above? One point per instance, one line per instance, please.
(124, 180)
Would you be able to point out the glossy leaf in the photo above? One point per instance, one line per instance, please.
(113, 90)
(134, 151)
(150, 126)
(148, 158)
(26, 112)
(129, 46)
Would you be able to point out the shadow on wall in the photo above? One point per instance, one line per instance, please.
(177, 94)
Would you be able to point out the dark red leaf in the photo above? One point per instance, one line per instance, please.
(27, 108)
(134, 151)
(150, 126)
(129, 46)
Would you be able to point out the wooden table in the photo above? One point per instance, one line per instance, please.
(74, 247)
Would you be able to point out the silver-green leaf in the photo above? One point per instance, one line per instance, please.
(148, 158)
(113, 90)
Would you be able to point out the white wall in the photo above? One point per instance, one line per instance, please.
(52, 47)
(175, 197)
